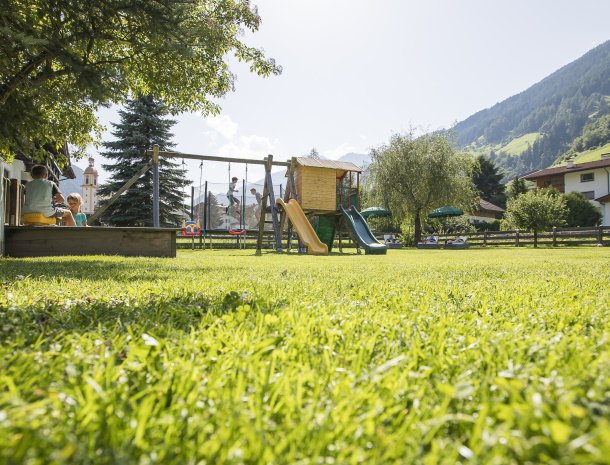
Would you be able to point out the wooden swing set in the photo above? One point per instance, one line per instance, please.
(268, 203)
(39, 241)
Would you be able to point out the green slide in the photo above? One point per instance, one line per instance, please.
(362, 233)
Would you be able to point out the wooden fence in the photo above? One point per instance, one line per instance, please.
(514, 238)
(558, 236)
(221, 239)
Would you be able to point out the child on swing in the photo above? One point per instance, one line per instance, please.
(232, 189)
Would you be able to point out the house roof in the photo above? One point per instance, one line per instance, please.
(50, 160)
(336, 165)
(488, 206)
(604, 162)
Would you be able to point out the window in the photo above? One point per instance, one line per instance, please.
(589, 195)
(587, 177)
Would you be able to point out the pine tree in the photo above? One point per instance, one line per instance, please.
(144, 123)
(517, 187)
(487, 179)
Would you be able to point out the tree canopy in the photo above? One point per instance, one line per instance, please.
(412, 176)
(516, 187)
(61, 60)
(581, 212)
(536, 210)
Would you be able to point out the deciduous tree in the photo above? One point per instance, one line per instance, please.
(581, 212)
(412, 176)
(536, 210)
(60, 60)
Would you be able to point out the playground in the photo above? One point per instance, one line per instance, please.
(221, 356)
(319, 202)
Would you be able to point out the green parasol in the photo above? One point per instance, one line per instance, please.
(375, 212)
(445, 211)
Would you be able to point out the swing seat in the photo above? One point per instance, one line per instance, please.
(38, 219)
(237, 232)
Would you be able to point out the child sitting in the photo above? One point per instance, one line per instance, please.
(40, 194)
(75, 201)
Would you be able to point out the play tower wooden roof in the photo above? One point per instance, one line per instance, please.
(316, 182)
(331, 164)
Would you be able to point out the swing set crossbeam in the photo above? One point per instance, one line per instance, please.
(191, 156)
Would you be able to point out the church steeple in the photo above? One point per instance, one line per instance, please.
(89, 188)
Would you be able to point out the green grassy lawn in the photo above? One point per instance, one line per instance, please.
(220, 357)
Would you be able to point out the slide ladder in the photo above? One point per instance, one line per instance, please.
(268, 194)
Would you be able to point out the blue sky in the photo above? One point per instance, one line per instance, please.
(357, 71)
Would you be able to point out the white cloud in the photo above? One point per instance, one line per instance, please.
(223, 125)
(251, 146)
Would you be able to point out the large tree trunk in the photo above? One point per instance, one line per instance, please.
(417, 235)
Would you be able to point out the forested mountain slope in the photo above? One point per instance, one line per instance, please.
(531, 130)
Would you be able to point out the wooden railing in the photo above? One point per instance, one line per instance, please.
(221, 239)
(513, 238)
(558, 236)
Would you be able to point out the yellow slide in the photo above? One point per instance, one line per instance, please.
(303, 227)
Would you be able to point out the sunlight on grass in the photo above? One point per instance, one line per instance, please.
(589, 155)
(420, 356)
(519, 145)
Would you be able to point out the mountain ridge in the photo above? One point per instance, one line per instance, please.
(557, 108)
(68, 186)
(544, 124)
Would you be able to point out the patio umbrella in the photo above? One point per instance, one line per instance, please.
(375, 212)
(445, 211)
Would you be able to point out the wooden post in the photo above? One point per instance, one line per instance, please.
(2, 212)
(554, 236)
(485, 238)
(600, 235)
(14, 208)
(155, 173)
(516, 238)
(127, 185)
(340, 233)
(289, 193)
(263, 215)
